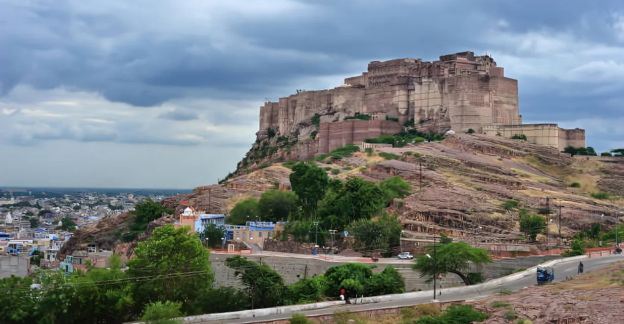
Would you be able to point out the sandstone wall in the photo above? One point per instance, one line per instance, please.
(543, 134)
(571, 137)
(335, 135)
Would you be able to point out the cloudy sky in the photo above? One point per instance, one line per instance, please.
(165, 94)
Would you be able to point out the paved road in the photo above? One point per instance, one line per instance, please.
(561, 271)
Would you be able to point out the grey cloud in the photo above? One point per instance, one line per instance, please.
(180, 115)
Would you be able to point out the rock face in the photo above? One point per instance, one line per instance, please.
(594, 297)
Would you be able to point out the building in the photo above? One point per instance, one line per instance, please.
(544, 134)
(250, 233)
(204, 220)
(459, 92)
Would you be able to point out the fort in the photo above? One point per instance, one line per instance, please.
(460, 92)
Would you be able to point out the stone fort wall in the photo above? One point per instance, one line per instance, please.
(465, 90)
(335, 135)
(544, 134)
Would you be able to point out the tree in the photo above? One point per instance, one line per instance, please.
(377, 235)
(44, 212)
(33, 222)
(395, 187)
(310, 183)
(357, 278)
(244, 210)
(618, 152)
(162, 313)
(265, 286)
(148, 211)
(532, 225)
(173, 266)
(455, 258)
(30, 214)
(16, 302)
(277, 205)
(357, 199)
(214, 235)
(67, 224)
(77, 207)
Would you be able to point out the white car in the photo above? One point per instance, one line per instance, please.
(405, 255)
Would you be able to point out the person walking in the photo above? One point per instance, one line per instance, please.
(580, 267)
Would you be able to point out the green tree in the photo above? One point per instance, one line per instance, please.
(243, 211)
(33, 222)
(349, 276)
(265, 286)
(67, 224)
(173, 266)
(278, 205)
(356, 199)
(77, 207)
(16, 301)
(148, 211)
(376, 236)
(299, 319)
(30, 214)
(310, 183)
(532, 225)
(162, 313)
(220, 300)
(307, 290)
(212, 235)
(395, 187)
(43, 212)
(454, 258)
(618, 152)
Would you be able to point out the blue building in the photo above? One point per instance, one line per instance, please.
(250, 233)
(206, 219)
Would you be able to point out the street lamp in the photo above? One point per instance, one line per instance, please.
(435, 268)
(316, 236)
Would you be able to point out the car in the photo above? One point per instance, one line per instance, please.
(405, 255)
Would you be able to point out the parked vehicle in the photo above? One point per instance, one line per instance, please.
(545, 274)
(405, 255)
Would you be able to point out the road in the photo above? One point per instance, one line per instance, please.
(468, 293)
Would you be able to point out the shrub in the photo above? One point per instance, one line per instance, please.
(347, 168)
(419, 139)
(519, 137)
(271, 133)
(391, 119)
(600, 195)
(264, 165)
(470, 131)
(327, 168)
(504, 292)
(408, 153)
(315, 120)
(498, 304)
(409, 123)
(339, 153)
(369, 151)
(383, 139)
(388, 156)
(510, 315)
(289, 164)
(313, 134)
(299, 319)
(575, 185)
(358, 117)
(162, 313)
(282, 139)
(335, 171)
(606, 154)
(511, 204)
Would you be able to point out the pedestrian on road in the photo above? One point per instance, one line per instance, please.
(580, 267)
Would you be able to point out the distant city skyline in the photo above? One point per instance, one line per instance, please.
(167, 94)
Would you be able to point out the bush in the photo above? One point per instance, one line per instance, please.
(159, 313)
(347, 168)
(575, 185)
(315, 120)
(327, 168)
(313, 134)
(388, 156)
(519, 137)
(606, 154)
(335, 171)
(511, 204)
(504, 291)
(456, 314)
(600, 195)
(383, 139)
(271, 133)
(264, 165)
(299, 319)
(470, 131)
(339, 153)
(409, 123)
(369, 151)
(510, 315)
(391, 119)
(358, 117)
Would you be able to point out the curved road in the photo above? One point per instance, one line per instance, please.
(470, 292)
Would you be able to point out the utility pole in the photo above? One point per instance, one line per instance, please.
(332, 232)
(316, 236)
(420, 164)
(435, 267)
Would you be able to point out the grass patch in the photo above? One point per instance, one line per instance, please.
(510, 315)
(505, 292)
(335, 171)
(600, 195)
(358, 117)
(339, 153)
(388, 156)
(499, 304)
(347, 168)
(289, 164)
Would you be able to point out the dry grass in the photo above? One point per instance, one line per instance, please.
(348, 173)
(528, 176)
(553, 170)
(375, 158)
(607, 277)
(231, 202)
(588, 182)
